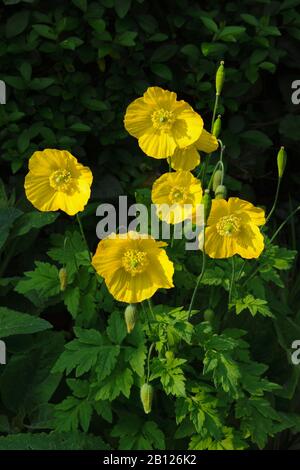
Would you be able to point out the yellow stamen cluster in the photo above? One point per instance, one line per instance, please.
(60, 180)
(135, 261)
(228, 225)
(178, 195)
(163, 120)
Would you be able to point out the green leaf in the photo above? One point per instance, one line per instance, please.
(71, 413)
(213, 49)
(8, 215)
(230, 33)
(162, 71)
(120, 381)
(164, 53)
(126, 39)
(18, 323)
(257, 138)
(80, 127)
(71, 300)
(81, 4)
(16, 24)
(171, 375)
(71, 43)
(210, 24)
(33, 220)
(87, 351)
(122, 7)
(45, 31)
(44, 279)
(116, 329)
(253, 305)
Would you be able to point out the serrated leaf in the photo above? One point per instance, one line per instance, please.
(17, 323)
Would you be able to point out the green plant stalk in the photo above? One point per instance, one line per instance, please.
(199, 277)
(148, 361)
(83, 236)
(231, 280)
(275, 200)
(216, 104)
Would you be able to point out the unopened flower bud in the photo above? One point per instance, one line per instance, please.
(130, 317)
(206, 201)
(147, 397)
(220, 77)
(221, 192)
(217, 126)
(63, 279)
(281, 161)
(209, 315)
(217, 179)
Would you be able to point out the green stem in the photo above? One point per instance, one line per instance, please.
(240, 271)
(148, 361)
(150, 308)
(216, 104)
(284, 223)
(275, 200)
(231, 280)
(199, 277)
(83, 236)
(214, 112)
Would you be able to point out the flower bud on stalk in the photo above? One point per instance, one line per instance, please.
(63, 279)
(281, 161)
(217, 179)
(209, 315)
(130, 317)
(217, 126)
(220, 77)
(147, 397)
(221, 192)
(206, 201)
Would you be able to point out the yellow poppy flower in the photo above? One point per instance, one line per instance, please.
(188, 158)
(176, 196)
(57, 181)
(161, 123)
(232, 228)
(133, 266)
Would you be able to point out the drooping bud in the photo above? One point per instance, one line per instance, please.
(130, 317)
(281, 161)
(220, 77)
(147, 397)
(217, 126)
(217, 179)
(209, 315)
(206, 201)
(221, 192)
(63, 279)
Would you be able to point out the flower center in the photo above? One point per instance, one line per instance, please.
(162, 119)
(61, 180)
(135, 261)
(228, 225)
(178, 196)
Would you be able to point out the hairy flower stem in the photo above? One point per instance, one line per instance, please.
(148, 361)
(199, 277)
(275, 200)
(231, 280)
(216, 104)
(83, 236)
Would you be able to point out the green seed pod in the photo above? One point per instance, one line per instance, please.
(217, 179)
(206, 201)
(130, 317)
(221, 192)
(281, 161)
(220, 77)
(63, 279)
(147, 397)
(209, 315)
(217, 126)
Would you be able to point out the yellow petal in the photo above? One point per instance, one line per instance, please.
(185, 159)
(157, 144)
(250, 242)
(207, 142)
(137, 119)
(219, 209)
(239, 206)
(217, 246)
(187, 127)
